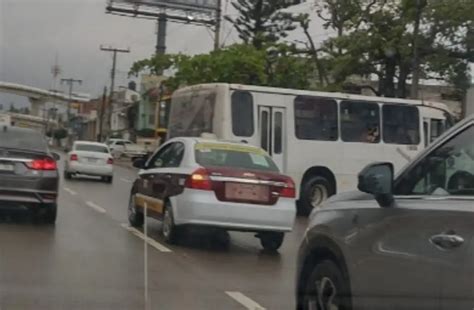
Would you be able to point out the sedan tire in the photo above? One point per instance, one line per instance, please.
(67, 175)
(169, 230)
(271, 241)
(135, 217)
(326, 288)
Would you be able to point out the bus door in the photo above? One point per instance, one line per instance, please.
(271, 129)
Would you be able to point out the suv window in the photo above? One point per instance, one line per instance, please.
(169, 156)
(447, 170)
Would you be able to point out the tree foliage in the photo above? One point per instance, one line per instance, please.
(239, 63)
(376, 38)
(260, 22)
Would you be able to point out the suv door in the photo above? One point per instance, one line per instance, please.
(161, 176)
(442, 186)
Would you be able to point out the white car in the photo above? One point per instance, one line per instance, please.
(122, 147)
(89, 158)
(216, 184)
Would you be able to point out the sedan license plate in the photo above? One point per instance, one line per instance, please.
(6, 167)
(92, 160)
(249, 192)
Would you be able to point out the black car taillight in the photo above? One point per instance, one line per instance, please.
(42, 164)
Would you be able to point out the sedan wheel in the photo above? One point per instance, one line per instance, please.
(169, 229)
(326, 289)
(135, 217)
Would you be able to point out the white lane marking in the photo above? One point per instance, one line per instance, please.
(245, 301)
(126, 180)
(148, 240)
(95, 207)
(70, 191)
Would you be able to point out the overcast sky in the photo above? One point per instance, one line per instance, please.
(32, 32)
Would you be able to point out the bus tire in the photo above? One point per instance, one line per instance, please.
(316, 189)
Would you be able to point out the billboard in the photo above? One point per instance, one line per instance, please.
(176, 4)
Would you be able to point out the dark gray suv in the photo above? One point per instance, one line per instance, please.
(404, 242)
(28, 173)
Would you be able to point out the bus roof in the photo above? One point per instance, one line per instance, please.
(335, 95)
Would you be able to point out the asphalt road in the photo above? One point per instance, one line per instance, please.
(91, 259)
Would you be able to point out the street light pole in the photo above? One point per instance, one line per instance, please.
(112, 76)
(70, 82)
(217, 30)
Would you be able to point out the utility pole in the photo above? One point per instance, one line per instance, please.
(416, 57)
(70, 82)
(161, 34)
(112, 76)
(101, 114)
(217, 30)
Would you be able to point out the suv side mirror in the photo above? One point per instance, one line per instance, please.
(377, 179)
(140, 163)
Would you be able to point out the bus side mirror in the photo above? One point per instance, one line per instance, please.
(377, 179)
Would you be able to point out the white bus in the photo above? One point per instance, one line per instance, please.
(322, 140)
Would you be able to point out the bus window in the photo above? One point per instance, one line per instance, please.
(242, 114)
(401, 124)
(360, 121)
(316, 118)
(278, 123)
(193, 114)
(437, 129)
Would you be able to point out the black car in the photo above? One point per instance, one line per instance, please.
(28, 173)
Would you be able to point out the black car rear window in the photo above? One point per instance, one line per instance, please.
(23, 139)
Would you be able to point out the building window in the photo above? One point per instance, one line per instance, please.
(401, 124)
(360, 121)
(316, 118)
(242, 114)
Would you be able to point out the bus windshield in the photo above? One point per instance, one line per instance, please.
(192, 114)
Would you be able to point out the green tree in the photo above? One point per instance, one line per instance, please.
(239, 63)
(260, 22)
(376, 38)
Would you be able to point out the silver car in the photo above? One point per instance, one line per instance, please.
(404, 242)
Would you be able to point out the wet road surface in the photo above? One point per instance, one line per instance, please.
(91, 259)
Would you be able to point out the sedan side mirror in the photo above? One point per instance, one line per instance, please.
(139, 163)
(377, 179)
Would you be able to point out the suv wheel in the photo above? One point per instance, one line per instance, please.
(271, 241)
(169, 229)
(135, 217)
(326, 288)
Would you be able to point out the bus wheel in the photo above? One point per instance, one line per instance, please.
(315, 191)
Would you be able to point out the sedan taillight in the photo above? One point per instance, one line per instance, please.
(288, 190)
(73, 157)
(199, 179)
(42, 164)
(110, 161)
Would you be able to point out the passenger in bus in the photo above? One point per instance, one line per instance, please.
(372, 135)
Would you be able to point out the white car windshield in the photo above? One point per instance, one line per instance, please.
(91, 148)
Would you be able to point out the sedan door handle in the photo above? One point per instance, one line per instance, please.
(447, 241)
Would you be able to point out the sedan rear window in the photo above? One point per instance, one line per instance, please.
(22, 139)
(91, 148)
(233, 156)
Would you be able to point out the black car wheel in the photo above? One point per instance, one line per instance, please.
(67, 175)
(46, 213)
(169, 229)
(271, 241)
(135, 217)
(326, 288)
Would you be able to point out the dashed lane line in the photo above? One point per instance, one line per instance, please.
(70, 191)
(153, 243)
(95, 207)
(244, 300)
